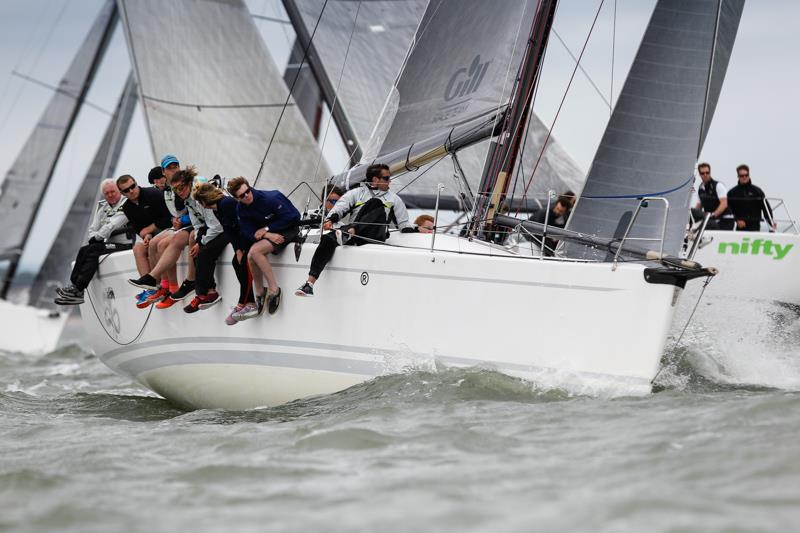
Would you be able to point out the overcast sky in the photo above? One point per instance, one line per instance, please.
(755, 121)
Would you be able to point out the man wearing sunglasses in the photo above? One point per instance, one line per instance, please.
(147, 213)
(106, 235)
(748, 202)
(372, 207)
(268, 222)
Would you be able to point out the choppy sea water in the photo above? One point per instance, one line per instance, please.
(715, 448)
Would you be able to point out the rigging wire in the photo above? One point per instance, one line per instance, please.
(563, 98)
(589, 78)
(289, 93)
(686, 326)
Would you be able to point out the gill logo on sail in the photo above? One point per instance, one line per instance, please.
(466, 80)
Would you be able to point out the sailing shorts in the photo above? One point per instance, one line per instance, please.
(289, 235)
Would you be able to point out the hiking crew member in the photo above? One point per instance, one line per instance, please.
(268, 222)
(147, 213)
(106, 235)
(181, 228)
(748, 203)
(210, 241)
(713, 199)
(180, 183)
(372, 207)
(224, 207)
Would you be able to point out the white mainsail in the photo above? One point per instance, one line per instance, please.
(212, 94)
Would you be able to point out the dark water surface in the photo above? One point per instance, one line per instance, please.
(715, 449)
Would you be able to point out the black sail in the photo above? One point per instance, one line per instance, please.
(660, 120)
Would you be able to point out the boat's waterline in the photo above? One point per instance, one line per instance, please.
(383, 309)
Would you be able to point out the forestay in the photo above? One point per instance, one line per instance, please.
(213, 96)
(656, 131)
(29, 176)
(449, 38)
(72, 234)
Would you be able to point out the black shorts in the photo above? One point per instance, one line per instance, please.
(289, 235)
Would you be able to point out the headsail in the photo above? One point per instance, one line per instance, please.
(212, 94)
(73, 231)
(29, 177)
(655, 133)
(383, 33)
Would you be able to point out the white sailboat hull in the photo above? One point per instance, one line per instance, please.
(769, 274)
(28, 329)
(382, 309)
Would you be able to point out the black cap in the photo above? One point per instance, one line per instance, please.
(156, 173)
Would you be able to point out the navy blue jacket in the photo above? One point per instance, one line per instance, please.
(226, 214)
(269, 209)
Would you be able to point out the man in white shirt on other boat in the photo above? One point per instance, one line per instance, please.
(106, 235)
(372, 207)
(713, 198)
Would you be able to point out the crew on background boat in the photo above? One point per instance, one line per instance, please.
(106, 235)
(211, 197)
(748, 202)
(372, 207)
(713, 197)
(268, 221)
(147, 213)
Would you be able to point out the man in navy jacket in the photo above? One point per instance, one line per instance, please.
(268, 221)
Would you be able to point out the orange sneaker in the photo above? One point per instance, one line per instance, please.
(156, 297)
(166, 302)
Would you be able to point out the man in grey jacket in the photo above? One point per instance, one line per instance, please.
(105, 236)
(372, 207)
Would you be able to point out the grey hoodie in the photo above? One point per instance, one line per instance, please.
(353, 199)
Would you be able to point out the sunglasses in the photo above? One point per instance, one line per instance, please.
(126, 190)
(744, 175)
(245, 193)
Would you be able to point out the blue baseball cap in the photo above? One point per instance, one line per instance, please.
(168, 159)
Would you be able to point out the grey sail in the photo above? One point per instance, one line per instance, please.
(28, 178)
(72, 234)
(212, 94)
(655, 133)
(383, 33)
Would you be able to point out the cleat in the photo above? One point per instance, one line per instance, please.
(305, 290)
(273, 302)
(187, 288)
(231, 319)
(246, 312)
(145, 282)
(168, 301)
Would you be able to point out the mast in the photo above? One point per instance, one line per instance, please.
(503, 158)
(28, 179)
(326, 87)
(72, 233)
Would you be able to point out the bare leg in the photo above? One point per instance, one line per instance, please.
(170, 256)
(157, 245)
(140, 256)
(190, 269)
(259, 264)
